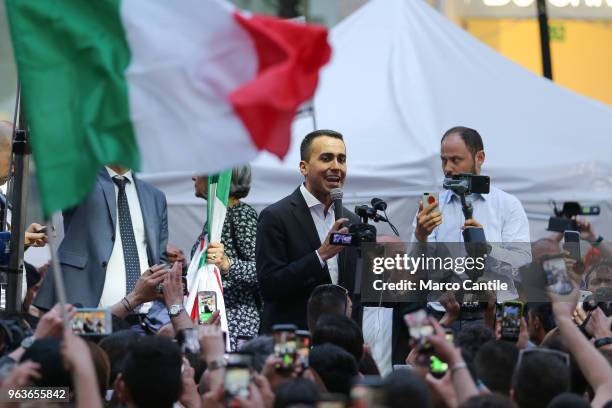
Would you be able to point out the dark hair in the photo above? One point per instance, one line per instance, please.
(296, 391)
(577, 381)
(568, 400)
(470, 339)
(335, 366)
(46, 352)
(405, 389)
(494, 364)
(260, 348)
(241, 182)
(116, 346)
(309, 138)
(470, 137)
(341, 331)
(488, 401)
(543, 311)
(325, 299)
(538, 379)
(152, 372)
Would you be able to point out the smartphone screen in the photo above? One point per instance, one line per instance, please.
(511, 320)
(555, 273)
(207, 305)
(285, 345)
(437, 367)
(418, 324)
(236, 382)
(92, 322)
(572, 244)
(303, 347)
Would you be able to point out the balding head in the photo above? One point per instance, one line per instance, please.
(6, 138)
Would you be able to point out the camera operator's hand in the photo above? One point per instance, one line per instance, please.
(145, 289)
(51, 323)
(587, 232)
(444, 349)
(563, 306)
(22, 375)
(327, 250)
(189, 396)
(598, 325)
(427, 220)
(34, 236)
(452, 307)
(215, 254)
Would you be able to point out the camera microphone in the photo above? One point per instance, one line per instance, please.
(379, 204)
(336, 196)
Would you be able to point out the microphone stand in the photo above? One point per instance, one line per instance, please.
(18, 196)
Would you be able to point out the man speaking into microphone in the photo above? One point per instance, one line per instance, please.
(292, 253)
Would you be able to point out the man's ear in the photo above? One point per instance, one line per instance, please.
(303, 168)
(480, 158)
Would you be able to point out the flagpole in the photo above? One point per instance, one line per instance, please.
(58, 278)
(18, 198)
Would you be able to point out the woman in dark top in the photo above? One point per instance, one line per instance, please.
(235, 257)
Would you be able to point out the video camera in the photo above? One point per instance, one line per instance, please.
(563, 219)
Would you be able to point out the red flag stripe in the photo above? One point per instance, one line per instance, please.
(290, 56)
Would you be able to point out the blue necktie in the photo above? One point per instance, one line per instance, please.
(130, 252)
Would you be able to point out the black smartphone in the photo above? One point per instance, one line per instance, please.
(303, 338)
(236, 382)
(555, 274)
(572, 244)
(92, 322)
(285, 345)
(338, 238)
(207, 305)
(511, 314)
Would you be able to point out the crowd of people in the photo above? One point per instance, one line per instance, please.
(299, 334)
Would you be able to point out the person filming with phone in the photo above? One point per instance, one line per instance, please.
(500, 215)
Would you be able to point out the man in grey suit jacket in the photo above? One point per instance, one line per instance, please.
(92, 262)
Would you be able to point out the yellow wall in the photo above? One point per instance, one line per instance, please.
(581, 50)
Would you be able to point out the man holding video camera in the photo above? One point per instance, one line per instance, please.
(500, 215)
(293, 254)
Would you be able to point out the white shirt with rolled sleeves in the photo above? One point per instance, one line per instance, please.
(505, 226)
(323, 223)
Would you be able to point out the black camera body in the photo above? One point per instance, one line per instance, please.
(563, 219)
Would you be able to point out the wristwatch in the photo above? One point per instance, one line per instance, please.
(175, 310)
(27, 342)
(602, 342)
(216, 364)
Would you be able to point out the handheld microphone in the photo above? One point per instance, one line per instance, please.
(379, 204)
(336, 196)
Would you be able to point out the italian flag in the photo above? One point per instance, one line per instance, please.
(202, 276)
(189, 86)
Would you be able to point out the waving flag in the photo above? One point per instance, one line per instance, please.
(192, 86)
(202, 276)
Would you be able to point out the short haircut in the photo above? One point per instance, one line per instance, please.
(241, 182)
(494, 364)
(538, 379)
(488, 401)
(325, 299)
(569, 400)
(341, 331)
(470, 339)
(297, 391)
(116, 346)
(335, 366)
(306, 145)
(260, 348)
(543, 311)
(46, 352)
(470, 137)
(152, 372)
(405, 389)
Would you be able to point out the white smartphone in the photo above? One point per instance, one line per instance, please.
(429, 199)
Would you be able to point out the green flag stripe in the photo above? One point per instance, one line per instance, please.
(218, 191)
(71, 56)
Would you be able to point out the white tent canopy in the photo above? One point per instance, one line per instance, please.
(401, 74)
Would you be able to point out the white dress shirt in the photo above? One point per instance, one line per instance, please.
(323, 223)
(504, 222)
(115, 280)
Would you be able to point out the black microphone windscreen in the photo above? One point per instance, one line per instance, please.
(336, 196)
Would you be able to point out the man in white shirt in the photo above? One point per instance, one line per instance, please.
(114, 235)
(500, 214)
(292, 251)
